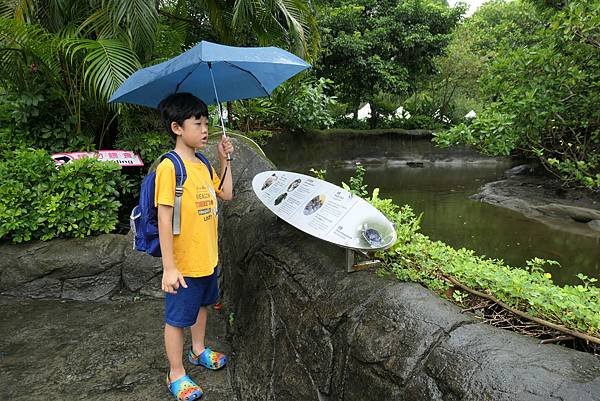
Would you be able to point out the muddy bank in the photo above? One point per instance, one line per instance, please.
(544, 199)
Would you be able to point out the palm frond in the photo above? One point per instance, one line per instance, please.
(217, 13)
(24, 46)
(140, 18)
(301, 22)
(7, 9)
(244, 11)
(106, 64)
(99, 24)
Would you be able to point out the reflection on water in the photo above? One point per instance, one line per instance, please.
(440, 190)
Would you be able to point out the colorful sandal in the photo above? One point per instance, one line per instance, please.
(208, 358)
(184, 389)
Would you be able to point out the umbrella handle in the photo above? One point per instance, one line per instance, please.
(224, 133)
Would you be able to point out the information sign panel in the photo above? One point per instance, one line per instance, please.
(324, 210)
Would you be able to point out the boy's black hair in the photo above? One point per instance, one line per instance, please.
(179, 107)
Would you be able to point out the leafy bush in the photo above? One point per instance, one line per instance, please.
(37, 201)
(351, 123)
(24, 190)
(305, 104)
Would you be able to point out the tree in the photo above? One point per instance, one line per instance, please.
(380, 46)
(290, 24)
(497, 26)
(542, 98)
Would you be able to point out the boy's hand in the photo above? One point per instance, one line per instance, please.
(171, 280)
(225, 148)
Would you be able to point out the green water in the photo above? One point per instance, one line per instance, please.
(440, 189)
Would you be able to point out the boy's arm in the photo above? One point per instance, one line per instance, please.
(225, 148)
(172, 278)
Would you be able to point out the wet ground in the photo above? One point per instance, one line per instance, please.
(57, 350)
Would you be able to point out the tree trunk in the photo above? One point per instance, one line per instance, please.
(374, 117)
(230, 113)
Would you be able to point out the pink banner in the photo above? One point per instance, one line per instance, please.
(125, 158)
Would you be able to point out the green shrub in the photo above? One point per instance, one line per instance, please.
(300, 103)
(83, 200)
(38, 201)
(24, 189)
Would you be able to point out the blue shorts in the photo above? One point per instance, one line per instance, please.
(181, 309)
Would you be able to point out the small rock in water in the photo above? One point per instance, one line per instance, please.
(594, 225)
(521, 169)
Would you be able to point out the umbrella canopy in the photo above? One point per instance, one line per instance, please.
(239, 73)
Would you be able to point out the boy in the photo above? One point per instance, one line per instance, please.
(189, 259)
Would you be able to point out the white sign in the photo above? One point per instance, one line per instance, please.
(324, 210)
(123, 157)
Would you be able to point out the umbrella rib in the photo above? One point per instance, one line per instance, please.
(186, 77)
(251, 74)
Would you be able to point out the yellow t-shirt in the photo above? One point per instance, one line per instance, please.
(195, 249)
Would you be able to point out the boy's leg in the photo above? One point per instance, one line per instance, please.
(174, 348)
(199, 330)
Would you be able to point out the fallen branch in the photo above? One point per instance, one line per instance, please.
(517, 312)
(557, 339)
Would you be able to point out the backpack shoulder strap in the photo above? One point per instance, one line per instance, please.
(180, 177)
(180, 172)
(206, 162)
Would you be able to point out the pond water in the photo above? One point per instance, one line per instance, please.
(439, 185)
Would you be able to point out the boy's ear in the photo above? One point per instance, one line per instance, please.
(176, 128)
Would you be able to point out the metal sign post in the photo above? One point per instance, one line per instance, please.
(359, 260)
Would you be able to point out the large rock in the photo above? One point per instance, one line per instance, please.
(594, 225)
(101, 351)
(304, 329)
(87, 269)
(83, 269)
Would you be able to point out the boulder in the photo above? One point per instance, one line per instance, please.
(521, 169)
(304, 329)
(62, 268)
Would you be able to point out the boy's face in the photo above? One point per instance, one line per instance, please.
(193, 132)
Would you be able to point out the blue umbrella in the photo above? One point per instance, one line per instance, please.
(237, 72)
(214, 73)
